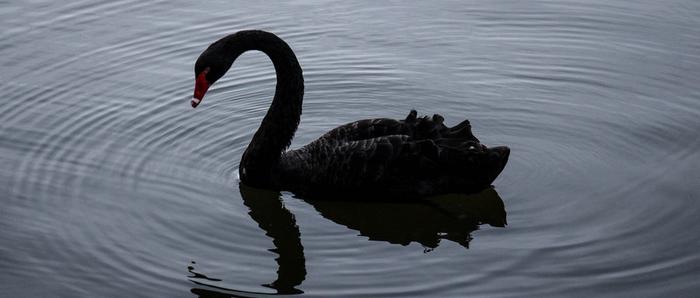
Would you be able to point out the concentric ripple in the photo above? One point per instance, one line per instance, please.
(113, 185)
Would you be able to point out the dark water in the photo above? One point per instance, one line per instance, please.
(113, 186)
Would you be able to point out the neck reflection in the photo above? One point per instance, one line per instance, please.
(267, 210)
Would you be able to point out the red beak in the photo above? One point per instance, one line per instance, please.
(201, 85)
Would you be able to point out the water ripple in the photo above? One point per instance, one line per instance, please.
(112, 180)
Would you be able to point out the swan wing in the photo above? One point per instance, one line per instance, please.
(414, 156)
(417, 128)
(394, 164)
(327, 165)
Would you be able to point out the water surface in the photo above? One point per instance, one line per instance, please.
(113, 186)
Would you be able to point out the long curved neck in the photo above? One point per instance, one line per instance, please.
(282, 119)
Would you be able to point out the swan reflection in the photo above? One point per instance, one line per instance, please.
(427, 222)
(450, 217)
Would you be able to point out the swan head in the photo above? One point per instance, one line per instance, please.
(211, 65)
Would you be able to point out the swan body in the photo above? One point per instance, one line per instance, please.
(415, 156)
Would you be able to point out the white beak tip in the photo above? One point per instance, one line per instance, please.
(195, 101)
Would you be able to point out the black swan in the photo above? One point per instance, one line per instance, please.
(414, 157)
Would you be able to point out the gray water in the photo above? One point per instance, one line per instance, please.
(113, 186)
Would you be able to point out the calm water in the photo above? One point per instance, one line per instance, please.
(111, 185)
